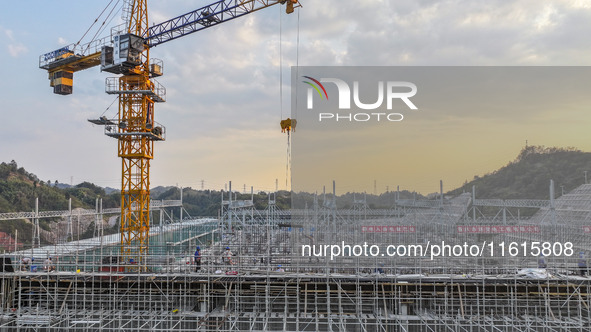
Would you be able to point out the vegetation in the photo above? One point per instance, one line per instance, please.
(529, 175)
(19, 189)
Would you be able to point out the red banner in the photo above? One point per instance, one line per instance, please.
(498, 229)
(388, 229)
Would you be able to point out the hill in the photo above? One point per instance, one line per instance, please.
(19, 188)
(529, 175)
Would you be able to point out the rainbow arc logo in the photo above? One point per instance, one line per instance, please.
(316, 87)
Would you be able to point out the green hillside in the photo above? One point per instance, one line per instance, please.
(19, 188)
(529, 175)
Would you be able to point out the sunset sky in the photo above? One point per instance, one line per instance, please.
(467, 118)
(223, 90)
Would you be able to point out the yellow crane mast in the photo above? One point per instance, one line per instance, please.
(136, 140)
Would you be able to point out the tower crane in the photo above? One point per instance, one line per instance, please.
(126, 53)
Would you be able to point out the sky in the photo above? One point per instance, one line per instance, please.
(456, 119)
(229, 86)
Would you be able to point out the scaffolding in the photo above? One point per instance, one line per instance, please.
(269, 285)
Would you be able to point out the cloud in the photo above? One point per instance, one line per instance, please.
(9, 34)
(450, 32)
(16, 50)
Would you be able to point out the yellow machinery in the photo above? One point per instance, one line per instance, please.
(288, 125)
(127, 54)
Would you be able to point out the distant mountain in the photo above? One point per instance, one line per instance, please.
(109, 190)
(62, 185)
(529, 175)
(157, 191)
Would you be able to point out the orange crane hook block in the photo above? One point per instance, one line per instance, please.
(290, 5)
(288, 125)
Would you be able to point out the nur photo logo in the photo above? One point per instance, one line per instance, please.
(390, 91)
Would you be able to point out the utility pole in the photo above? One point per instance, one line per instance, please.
(552, 207)
(181, 210)
(36, 232)
(473, 206)
(441, 195)
(70, 230)
(202, 182)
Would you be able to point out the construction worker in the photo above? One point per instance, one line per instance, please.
(279, 268)
(197, 259)
(26, 263)
(227, 256)
(582, 263)
(48, 265)
(542, 262)
(380, 269)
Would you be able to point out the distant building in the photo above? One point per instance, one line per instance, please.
(7, 242)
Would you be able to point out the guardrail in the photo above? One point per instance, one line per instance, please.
(154, 205)
(78, 50)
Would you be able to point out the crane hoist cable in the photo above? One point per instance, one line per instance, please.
(288, 125)
(295, 110)
(284, 123)
(116, 98)
(295, 115)
(103, 26)
(280, 65)
(96, 20)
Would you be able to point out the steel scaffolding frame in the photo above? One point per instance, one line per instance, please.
(95, 288)
(292, 302)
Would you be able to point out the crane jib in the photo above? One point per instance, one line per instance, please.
(204, 17)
